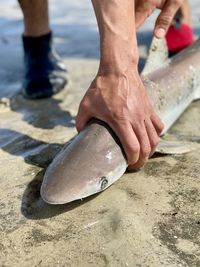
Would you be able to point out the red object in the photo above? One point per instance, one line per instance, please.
(179, 38)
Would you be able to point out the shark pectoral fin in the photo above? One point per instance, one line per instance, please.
(158, 54)
(175, 147)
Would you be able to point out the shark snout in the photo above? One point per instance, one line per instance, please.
(59, 193)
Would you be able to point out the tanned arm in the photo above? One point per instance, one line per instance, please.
(117, 94)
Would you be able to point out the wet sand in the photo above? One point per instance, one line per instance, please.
(146, 219)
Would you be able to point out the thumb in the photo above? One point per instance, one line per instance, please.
(165, 18)
(82, 118)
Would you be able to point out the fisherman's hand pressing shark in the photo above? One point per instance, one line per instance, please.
(117, 95)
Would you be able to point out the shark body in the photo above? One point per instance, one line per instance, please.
(94, 160)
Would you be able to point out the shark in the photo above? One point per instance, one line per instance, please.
(95, 159)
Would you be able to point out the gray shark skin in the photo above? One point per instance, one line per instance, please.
(94, 160)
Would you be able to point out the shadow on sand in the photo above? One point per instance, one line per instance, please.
(40, 154)
(43, 113)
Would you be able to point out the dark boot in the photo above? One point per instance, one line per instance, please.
(45, 73)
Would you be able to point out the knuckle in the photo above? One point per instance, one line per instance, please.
(138, 122)
(133, 149)
(145, 151)
(155, 142)
(133, 154)
(161, 125)
(164, 21)
(116, 115)
(160, 128)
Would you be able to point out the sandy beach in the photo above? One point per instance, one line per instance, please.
(146, 219)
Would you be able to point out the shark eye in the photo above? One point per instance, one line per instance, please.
(103, 182)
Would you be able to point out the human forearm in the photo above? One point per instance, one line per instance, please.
(117, 95)
(118, 45)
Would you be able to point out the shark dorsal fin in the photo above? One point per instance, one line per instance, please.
(158, 54)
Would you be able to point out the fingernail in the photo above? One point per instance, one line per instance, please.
(160, 32)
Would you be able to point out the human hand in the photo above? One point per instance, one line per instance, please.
(144, 8)
(120, 100)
